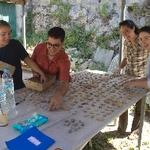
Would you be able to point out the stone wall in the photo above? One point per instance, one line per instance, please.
(101, 16)
(82, 11)
(139, 13)
(40, 11)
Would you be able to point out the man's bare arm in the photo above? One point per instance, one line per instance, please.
(57, 99)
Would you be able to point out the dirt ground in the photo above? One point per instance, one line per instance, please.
(110, 139)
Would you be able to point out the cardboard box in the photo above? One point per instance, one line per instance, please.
(35, 84)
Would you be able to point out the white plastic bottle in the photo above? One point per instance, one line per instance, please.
(8, 87)
(4, 108)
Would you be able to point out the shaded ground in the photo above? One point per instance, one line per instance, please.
(110, 139)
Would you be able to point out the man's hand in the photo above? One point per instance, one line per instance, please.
(35, 68)
(57, 99)
(55, 103)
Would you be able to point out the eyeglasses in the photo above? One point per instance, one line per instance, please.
(50, 45)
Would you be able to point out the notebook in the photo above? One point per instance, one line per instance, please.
(32, 139)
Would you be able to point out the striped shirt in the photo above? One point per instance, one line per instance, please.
(148, 71)
(136, 59)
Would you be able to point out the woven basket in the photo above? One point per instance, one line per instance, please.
(35, 84)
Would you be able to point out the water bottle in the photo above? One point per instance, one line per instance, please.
(8, 87)
(4, 108)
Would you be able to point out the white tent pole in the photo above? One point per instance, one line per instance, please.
(24, 27)
(141, 122)
(123, 3)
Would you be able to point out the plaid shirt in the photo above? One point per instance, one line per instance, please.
(136, 59)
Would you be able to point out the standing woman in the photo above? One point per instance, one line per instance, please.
(134, 61)
(144, 37)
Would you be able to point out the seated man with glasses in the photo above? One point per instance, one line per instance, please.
(52, 59)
